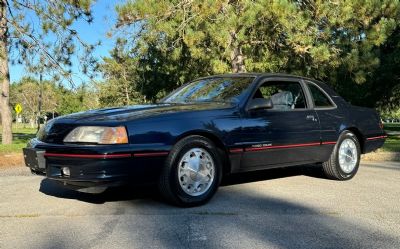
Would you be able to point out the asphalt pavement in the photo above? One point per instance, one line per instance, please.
(285, 208)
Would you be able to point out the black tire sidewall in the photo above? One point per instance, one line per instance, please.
(344, 175)
(181, 195)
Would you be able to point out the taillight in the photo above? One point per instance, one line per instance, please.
(381, 124)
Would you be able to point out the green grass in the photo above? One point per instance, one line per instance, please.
(21, 135)
(392, 143)
(392, 127)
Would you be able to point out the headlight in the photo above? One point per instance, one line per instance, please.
(98, 135)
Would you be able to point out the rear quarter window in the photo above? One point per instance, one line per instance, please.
(321, 100)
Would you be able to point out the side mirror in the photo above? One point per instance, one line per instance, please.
(260, 103)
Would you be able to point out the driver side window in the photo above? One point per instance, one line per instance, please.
(284, 95)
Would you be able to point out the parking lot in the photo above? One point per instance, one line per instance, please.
(286, 208)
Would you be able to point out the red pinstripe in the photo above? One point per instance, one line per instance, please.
(236, 150)
(333, 142)
(100, 156)
(149, 154)
(281, 146)
(378, 137)
(106, 156)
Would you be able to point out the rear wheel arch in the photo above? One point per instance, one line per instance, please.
(344, 162)
(218, 143)
(358, 135)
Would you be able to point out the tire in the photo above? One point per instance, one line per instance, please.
(186, 182)
(336, 168)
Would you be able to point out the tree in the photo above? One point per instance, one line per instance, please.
(120, 78)
(39, 34)
(28, 91)
(387, 93)
(75, 100)
(55, 98)
(334, 41)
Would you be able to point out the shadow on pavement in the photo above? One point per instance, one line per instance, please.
(270, 174)
(260, 221)
(238, 217)
(125, 193)
(383, 165)
(122, 193)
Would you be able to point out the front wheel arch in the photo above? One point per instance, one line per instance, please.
(169, 182)
(226, 167)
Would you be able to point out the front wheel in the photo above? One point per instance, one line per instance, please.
(192, 172)
(345, 159)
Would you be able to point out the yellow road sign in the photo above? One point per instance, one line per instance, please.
(18, 108)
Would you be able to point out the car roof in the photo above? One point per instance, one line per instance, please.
(258, 75)
(323, 85)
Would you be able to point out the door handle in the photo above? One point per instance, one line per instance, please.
(311, 117)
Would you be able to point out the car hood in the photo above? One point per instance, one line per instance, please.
(56, 129)
(141, 111)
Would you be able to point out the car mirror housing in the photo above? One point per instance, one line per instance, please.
(260, 103)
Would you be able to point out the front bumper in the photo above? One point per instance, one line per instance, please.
(86, 168)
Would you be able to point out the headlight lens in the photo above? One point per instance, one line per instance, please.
(98, 135)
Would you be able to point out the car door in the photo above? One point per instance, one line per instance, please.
(331, 119)
(287, 134)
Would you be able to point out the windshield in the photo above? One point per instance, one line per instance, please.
(209, 90)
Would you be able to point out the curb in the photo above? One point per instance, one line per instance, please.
(381, 156)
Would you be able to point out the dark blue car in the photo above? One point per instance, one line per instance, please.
(205, 130)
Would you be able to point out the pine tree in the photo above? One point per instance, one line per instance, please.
(39, 35)
(327, 40)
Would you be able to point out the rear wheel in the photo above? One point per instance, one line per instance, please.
(192, 172)
(345, 159)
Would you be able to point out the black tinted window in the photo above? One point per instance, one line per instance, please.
(284, 95)
(320, 99)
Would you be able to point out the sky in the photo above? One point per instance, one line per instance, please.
(104, 18)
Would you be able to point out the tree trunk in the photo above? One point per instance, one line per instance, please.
(237, 57)
(39, 102)
(237, 61)
(6, 118)
(128, 101)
